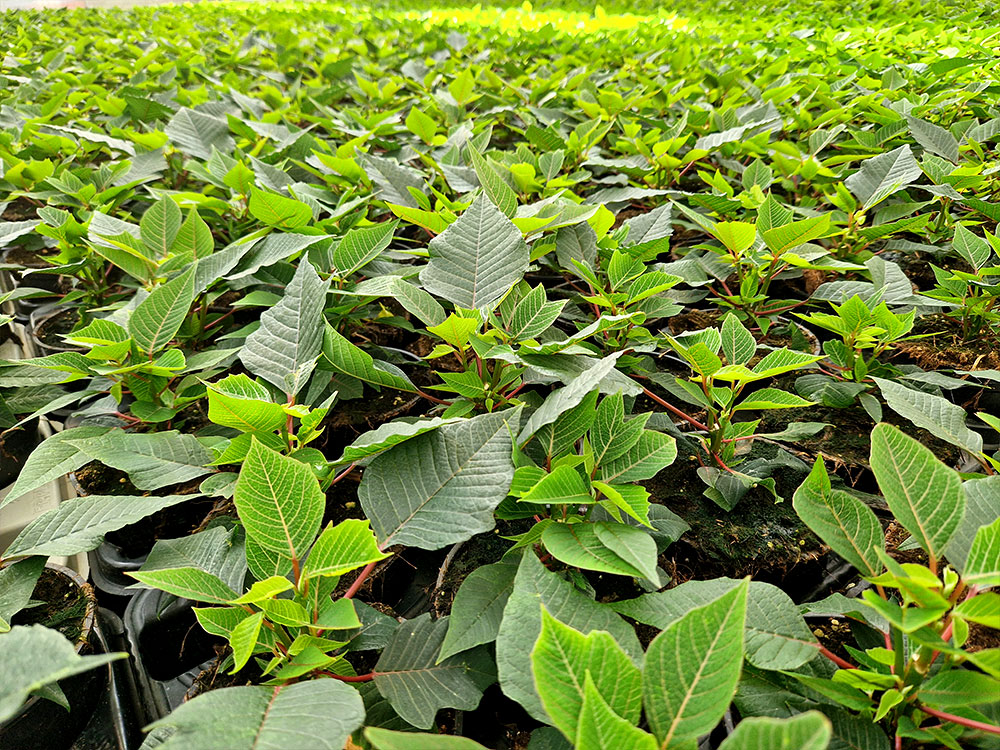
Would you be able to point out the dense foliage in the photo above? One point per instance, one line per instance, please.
(592, 317)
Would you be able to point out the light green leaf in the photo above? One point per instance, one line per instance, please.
(477, 259)
(974, 249)
(388, 739)
(982, 567)
(789, 236)
(772, 398)
(279, 501)
(652, 453)
(158, 317)
(311, 715)
(194, 239)
(923, 494)
(738, 344)
(277, 210)
(958, 688)
(389, 434)
(344, 357)
(605, 547)
(237, 401)
(736, 236)
(190, 583)
(522, 624)
(159, 226)
(807, 731)
(342, 548)
(243, 640)
(284, 349)
(600, 727)
(693, 667)
(563, 657)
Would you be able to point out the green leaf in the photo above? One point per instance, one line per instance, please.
(522, 624)
(478, 607)
(933, 138)
(53, 458)
(973, 249)
(152, 460)
(421, 125)
(34, 657)
(388, 739)
(279, 501)
(237, 401)
(194, 239)
(934, 413)
(789, 236)
(563, 399)
(158, 317)
(277, 210)
(923, 494)
(500, 193)
(361, 245)
(772, 398)
(344, 357)
(389, 434)
(534, 314)
(738, 344)
(807, 731)
(736, 236)
(884, 175)
(958, 688)
(564, 485)
(243, 640)
(284, 349)
(693, 667)
(159, 226)
(342, 548)
(980, 510)
(477, 259)
(80, 524)
(563, 657)
(409, 675)
(17, 583)
(600, 727)
(841, 520)
(190, 583)
(652, 453)
(982, 567)
(776, 636)
(604, 546)
(196, 133)
(312, 715)
(440, 487)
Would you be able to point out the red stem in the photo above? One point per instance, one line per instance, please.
(349, 677)
(982, 726)
(842, 663)
(673, 409)
(433, 399)
(344, 473)
(356, 586)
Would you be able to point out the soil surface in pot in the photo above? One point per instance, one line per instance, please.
(50, 331)
(945, 347)
(63, 605)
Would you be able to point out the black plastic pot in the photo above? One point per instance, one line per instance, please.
(44, 725)
(109, 569)
(43, 317)
(169, 650)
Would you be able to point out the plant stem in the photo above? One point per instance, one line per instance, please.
(982, 726)
(673, 409)
(842, 663)
(356, 586)
(349, 677)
